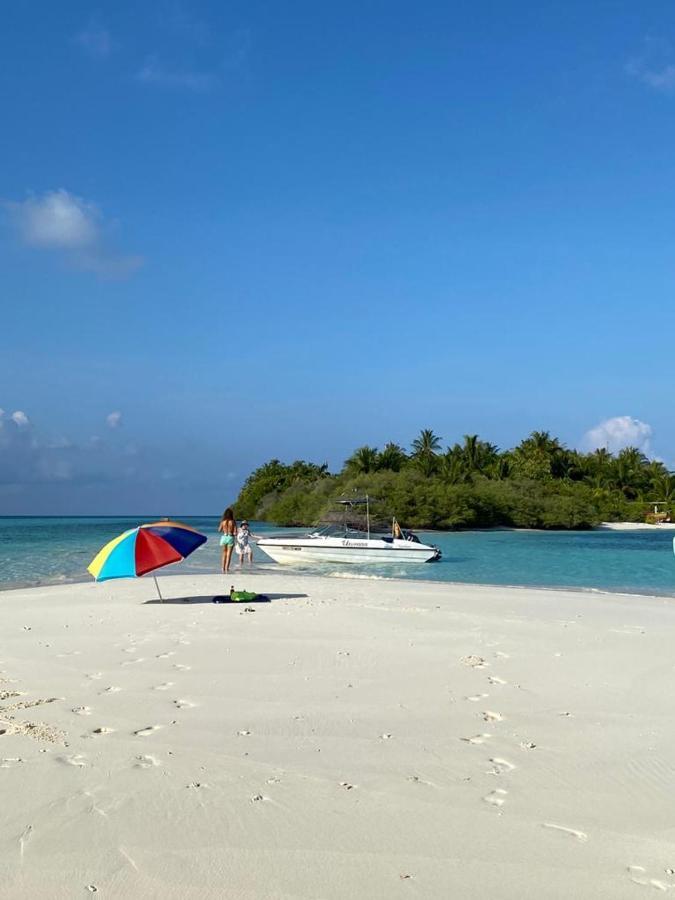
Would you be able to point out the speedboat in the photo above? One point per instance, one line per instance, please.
(349, 542)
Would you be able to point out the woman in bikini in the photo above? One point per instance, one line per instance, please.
(228, 530)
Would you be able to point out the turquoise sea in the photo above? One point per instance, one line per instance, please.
(52, 550)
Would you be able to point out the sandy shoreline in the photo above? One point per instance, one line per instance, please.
(351, 738)
(637, 526)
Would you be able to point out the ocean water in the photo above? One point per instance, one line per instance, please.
(51, 550)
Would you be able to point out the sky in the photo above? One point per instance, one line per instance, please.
(235, 231)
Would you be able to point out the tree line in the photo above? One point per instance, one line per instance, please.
(540, 483)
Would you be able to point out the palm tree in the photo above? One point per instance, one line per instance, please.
(453, 467)
(478, 455)
(362, 461)
(656, 471)
(471, 452)
(392, 457)
(664, 489)
(537, 456)
(628, 472)
(542, 441)
(425, 451)
(601, 457)
(502, 467)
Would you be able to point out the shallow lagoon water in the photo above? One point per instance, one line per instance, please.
(49, 550)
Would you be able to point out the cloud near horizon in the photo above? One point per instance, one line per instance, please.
(619, 432)
(61, 222)
(114, 419)
(28, 458)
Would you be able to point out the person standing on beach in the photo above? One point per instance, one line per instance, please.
(228, 530)
(243, 544)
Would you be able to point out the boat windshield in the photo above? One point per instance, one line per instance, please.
(352, 519)
(339, 529)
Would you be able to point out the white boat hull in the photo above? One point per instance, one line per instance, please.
(290, 551)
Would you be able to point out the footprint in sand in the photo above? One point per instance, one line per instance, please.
(502, 655)
(184, 704)
(79, 760)
(10, 762)
(182, 667)
(149, 729)
(571, 832)
(476, 739)
(113, 689)
(474, 662)
(493, 679)
(166, 655)
(638, 875)
(496, 797)
(24, 838)
(94, 676)
(103, 730)
(347, 786)
(132, 662)
(244, 732)
(474, 698)
(146, 761)
(6, 695)
(491, 716)
(415, 779)
(82, 710)
(527, 745)
(501, 766)
(163, 687)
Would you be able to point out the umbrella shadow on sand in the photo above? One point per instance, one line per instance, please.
(223, 598)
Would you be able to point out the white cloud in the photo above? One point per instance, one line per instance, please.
(655, 66)
(156, 73)
(20, 419)
(95, 40)
(113, 419)
(64, 223)
(619, 432)
(56, 220)
(29, 458)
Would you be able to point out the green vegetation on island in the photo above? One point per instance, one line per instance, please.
(538, 484)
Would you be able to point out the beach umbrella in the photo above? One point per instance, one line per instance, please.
(144, 549)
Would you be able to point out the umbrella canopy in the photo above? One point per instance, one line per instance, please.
(144, 549)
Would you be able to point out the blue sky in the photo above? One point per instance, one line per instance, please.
(256, 230)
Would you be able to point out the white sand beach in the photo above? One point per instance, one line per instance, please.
(351, 738)
(637, 526)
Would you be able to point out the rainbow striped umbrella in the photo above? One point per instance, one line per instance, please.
(144, 549)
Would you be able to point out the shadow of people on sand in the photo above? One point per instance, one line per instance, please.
(224, 598)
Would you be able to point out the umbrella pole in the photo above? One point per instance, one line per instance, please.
(159, 593)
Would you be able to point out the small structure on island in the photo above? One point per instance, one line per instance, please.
(659, 513)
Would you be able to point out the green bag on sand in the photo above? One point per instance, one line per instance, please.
(238, 596)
